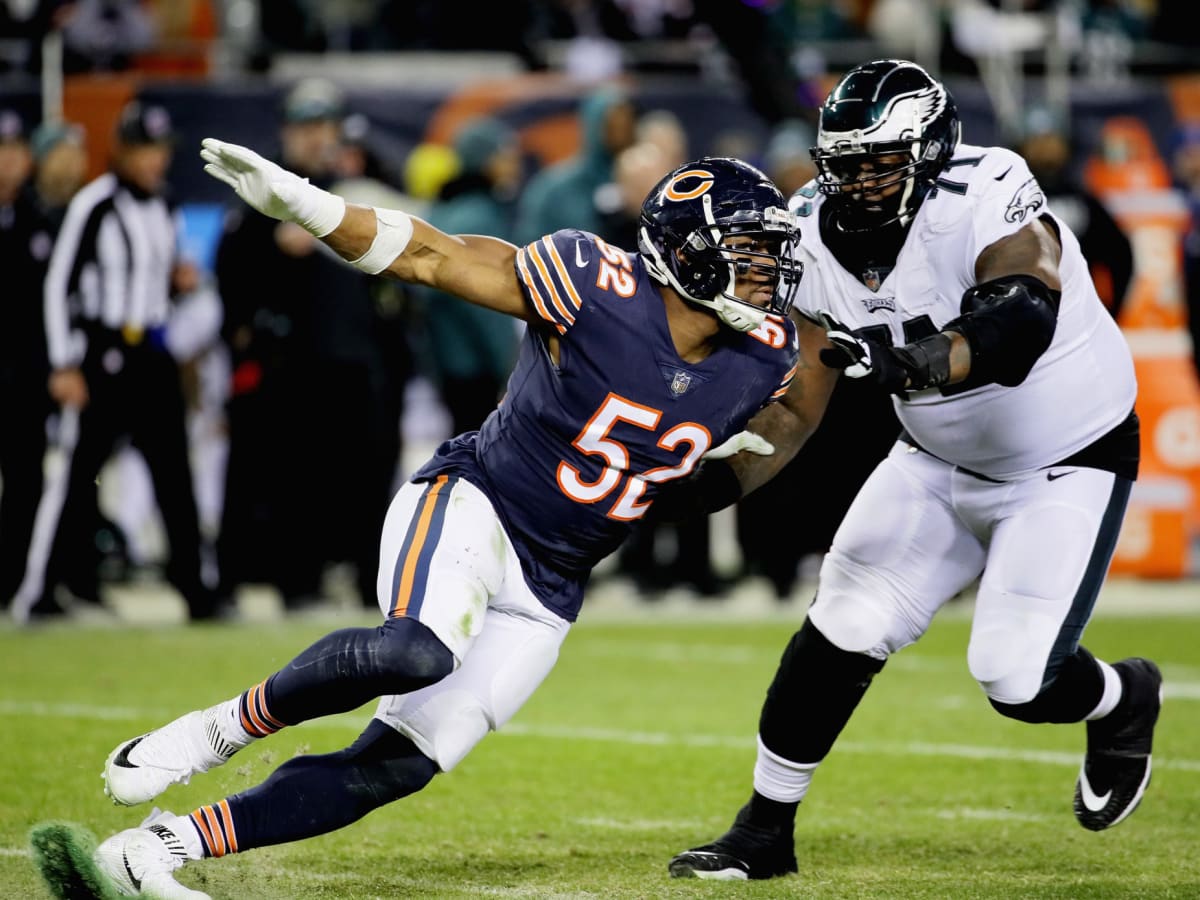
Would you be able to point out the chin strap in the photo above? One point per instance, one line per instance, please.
(737, 315)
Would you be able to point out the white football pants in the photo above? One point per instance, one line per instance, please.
(446, 561)
(921, 530)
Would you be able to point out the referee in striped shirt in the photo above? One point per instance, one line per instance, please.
(107, 300)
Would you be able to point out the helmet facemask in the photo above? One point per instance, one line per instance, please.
(843, 178)
(704, 271)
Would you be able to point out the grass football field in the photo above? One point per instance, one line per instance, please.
(639, 744)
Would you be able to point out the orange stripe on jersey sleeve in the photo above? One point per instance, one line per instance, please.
(787, 380)
(548, 280)
(539, 302)
(404, 591)
(563, 273)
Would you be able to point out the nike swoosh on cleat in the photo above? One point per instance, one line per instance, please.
(137, 884)
(1090, 800)
(122, 758)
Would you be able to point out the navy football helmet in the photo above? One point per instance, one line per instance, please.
(688, 215)
(883, 108)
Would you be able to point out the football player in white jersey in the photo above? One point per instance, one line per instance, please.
(941, 276)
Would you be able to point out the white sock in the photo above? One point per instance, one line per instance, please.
(1112, 692)
(187, 834)
(781, 779)
(228, 716)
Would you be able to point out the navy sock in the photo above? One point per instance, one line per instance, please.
(346, 668)
(311, 795)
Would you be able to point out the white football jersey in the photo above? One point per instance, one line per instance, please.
(1082, 387)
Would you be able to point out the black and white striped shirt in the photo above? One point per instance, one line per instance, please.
(111, 267)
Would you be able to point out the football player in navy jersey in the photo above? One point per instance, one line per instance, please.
(633, 368)
(944, 279)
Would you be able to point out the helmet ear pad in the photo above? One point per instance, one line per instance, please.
(707, 275)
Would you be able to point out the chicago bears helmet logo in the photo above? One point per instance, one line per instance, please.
(675, 190)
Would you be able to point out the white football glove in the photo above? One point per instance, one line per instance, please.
(271, 189)
(743, 440)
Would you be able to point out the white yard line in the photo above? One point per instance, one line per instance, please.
(644, 738)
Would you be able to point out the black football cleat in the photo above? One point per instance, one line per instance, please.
(745, 851)
(1116, 769)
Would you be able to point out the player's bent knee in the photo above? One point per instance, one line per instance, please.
(413, 652)
(1074, 691)
(390, 764)
(851, 625)
(850, 611)
(1005, 673)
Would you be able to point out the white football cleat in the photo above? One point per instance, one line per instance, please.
(142, 768)
(140, 861)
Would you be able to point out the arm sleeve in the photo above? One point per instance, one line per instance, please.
(65, 347)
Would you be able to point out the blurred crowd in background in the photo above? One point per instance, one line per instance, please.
(300, 380)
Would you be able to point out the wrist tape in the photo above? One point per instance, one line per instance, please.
(393, 231)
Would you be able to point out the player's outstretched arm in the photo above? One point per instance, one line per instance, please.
(792, 421)
(378, 241)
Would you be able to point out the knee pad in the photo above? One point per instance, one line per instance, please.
(1011, 652)
(1004, 672)
(846, 614)
(1075, 691)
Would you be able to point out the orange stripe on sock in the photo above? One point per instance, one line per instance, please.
(272, 723)
(227, 818)
(262, 729)
(210, 817)
(246, 723)
(197, 818)
(404, 591)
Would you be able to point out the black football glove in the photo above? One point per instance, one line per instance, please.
(913, 367)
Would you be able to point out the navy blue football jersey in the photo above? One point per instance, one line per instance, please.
(574, 454)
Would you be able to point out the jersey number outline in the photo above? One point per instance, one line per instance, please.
(594, 440)
(615, 272)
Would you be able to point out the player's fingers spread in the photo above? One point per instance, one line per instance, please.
(243, 157)
(221, 175)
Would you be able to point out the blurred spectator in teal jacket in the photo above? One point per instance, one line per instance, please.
(563, 195)
(474, 348)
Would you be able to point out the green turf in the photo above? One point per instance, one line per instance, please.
(62, 852)
(640, 744)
